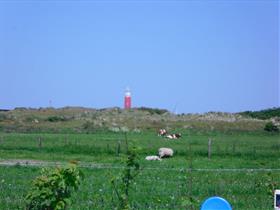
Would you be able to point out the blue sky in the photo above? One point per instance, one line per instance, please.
(185, 56)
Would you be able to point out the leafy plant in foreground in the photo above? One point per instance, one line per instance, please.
(52, 190)
(121, 184)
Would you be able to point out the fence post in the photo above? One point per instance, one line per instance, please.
(209, 148)
(118, 150)
(40, 142)
(126, 142)
(108, 148)
(65, 141)
(233, 147)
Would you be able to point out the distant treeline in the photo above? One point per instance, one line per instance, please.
(263, 114)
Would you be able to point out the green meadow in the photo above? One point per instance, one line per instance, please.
(243, 167)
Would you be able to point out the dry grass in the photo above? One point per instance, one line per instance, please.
(81, 120)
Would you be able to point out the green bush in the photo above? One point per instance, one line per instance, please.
(153, 110)
(270, 127)
(52, 190)
(3, 116)
(90, 127)
(263, 114)
(56, 118)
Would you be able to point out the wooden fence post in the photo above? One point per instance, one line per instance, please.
(40, 142)
(118, 150)
(233, 147)
(209, 148)
(65, 141)
(126, 142)
(108, 148)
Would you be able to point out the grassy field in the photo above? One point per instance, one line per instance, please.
(161, 185)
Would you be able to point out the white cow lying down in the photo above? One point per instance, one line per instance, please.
(153, 157)
(165, 152)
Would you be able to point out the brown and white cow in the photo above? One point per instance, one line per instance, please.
(162, 132)
(174, 136)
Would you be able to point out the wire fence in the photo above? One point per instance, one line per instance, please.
(32, 163)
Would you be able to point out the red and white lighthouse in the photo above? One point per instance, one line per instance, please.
(127, 99)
